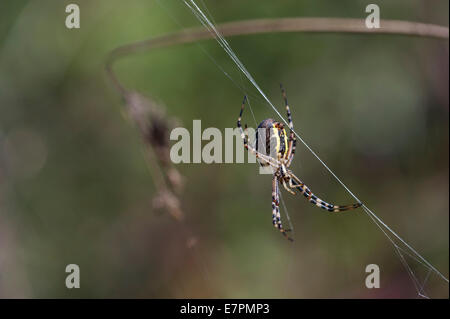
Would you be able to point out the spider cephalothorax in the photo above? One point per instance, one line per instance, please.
(274, 148)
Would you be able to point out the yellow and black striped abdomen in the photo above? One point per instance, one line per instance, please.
(271, 139)
(280, 136)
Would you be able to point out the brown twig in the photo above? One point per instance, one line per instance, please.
(260, 26)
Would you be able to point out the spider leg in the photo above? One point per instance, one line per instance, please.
(295, 182)
(263, 158)
(284, 176)
(276, 217)
(291, 157)
(292, 139)
(287, 188)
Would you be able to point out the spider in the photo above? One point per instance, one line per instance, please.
(283, 151)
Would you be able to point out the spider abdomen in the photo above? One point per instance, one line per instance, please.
(271, 139)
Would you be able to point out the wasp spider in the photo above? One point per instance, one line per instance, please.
(283, 150)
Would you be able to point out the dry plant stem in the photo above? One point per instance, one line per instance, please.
(144, 113)
(260, 26)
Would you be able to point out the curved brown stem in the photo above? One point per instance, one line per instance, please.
(260, 26)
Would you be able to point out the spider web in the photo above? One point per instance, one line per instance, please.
(403, 250)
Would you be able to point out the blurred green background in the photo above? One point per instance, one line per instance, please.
(74, 181)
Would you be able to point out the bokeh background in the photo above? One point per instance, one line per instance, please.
(75, 185)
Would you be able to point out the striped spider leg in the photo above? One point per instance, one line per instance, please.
(276, 217)
(292, 139)
(295, 182)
